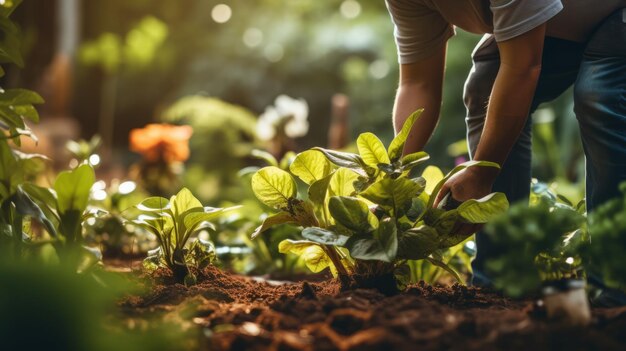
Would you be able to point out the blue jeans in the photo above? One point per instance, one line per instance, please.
(597, 69)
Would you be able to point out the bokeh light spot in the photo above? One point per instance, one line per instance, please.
(350, 9)
(221, 13)
(252, 37)
(274, 52)
(379, 69)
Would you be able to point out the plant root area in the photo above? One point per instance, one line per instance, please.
(230, 312)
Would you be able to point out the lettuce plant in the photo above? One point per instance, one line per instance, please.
(364, 214)
(174, 222)
(607, 225)
(535, 244)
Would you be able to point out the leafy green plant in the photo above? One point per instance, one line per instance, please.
(85, 151)
(62, 211)
(535, 244)
(365, 216)
(174, 222)
(607, 225)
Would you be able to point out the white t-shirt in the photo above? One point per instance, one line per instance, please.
(422, 26)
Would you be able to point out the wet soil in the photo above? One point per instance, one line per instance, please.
(232, 312)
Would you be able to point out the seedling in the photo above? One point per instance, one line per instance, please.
(537, 247)
(174, 222)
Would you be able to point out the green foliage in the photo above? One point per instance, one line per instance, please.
(607, 225)
(535, 244)
(137, 50)
(83, 150)
(366, 207)
(223, 139)
(173, 222)
(77, 310)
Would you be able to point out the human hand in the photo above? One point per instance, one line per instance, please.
(470, 183)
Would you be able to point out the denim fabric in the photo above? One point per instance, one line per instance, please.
(600, 106)
(599, 70)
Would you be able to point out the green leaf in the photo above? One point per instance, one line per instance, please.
(347, 160)
(393, 194)
(418, 207)
(303, 213)
(311, 166)
(184, 201)
(72, 188)
(265, 156)
(312, 254)
(456, 170)
(485, 209)
(27, 111)
(13, 97)
(433, 175)
(447, 268)
(318, 189)
(274, 187)
(397, 144)
(446, 222)
(352, 213)
(7, 7)
(273, 220)
(342, 182)
(324, 236)
(193, 219)
(10, 41)
(381, 245)
(372, 150)
(417, 243)
(413, 160)
(28, 207)
(154, 204)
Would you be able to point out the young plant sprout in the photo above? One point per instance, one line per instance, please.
(365, 217)
(174, 222)
(537, 248)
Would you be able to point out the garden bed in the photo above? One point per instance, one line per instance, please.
(231, 312)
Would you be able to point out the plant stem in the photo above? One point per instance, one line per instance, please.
(336, 259)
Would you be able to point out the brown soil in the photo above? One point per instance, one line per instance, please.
(240, 313)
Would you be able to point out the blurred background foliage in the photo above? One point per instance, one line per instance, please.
(141, 61)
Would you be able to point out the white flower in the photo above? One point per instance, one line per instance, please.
(292, 114)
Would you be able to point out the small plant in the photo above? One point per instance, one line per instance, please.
(607, 225)
(84, 151)
(365, 216)
(535, 244)
(174, 222)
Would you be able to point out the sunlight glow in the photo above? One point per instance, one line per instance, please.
(94, 160)
(126, 187)
(350, 9)
(252, 37)
(274, 52)
(221, 13)
(569, 260)
(379, 69)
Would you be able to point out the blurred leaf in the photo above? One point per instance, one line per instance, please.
(72, 188)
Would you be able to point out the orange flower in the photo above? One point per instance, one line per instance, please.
(161, 142)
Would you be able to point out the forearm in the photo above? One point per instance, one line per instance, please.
(411, 97)
(508, 110)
